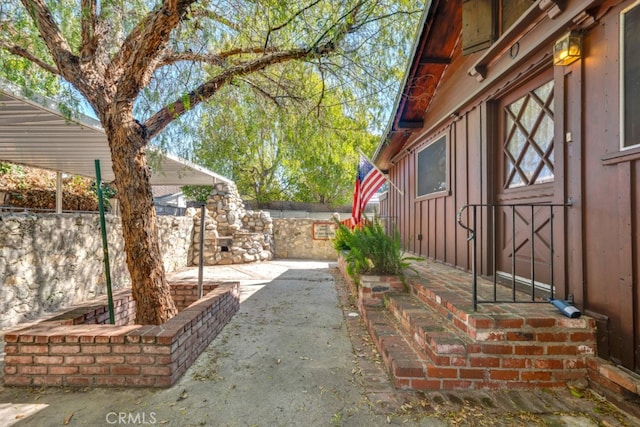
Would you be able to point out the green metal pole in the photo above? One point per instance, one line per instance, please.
(201, 259)
(105, 246)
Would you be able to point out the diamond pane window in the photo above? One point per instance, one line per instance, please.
(528, 144)
(544, 133)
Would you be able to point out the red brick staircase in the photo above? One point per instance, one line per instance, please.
(431, 339)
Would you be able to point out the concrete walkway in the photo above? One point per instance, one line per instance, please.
(296, 354)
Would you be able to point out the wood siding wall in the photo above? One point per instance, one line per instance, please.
(428, 224)
(599, 235)
(611, 202)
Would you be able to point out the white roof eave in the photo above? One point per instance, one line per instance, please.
(33, 132)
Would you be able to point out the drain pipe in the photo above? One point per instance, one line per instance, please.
(105, 246)
(201, 260)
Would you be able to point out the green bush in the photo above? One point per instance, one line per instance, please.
(342, 237)
(10, 168)
(370, 250)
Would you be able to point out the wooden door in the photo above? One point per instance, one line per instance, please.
(525, 176)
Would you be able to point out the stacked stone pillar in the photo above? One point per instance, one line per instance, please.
(232, 234)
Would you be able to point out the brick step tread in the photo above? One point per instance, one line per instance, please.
(410, 370)
(427, 329)
(494, 323)
(433, 336)
(403, 362)
(486, 365)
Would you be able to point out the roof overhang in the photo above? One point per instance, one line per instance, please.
(34, 132)
(437, 36)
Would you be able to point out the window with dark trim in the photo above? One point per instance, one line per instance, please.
(432, 168)
(630, 76)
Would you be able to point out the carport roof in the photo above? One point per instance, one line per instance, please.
(33, 132)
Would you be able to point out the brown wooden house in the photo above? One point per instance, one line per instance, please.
(539, 157)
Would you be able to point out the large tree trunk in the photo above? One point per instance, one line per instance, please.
(127, 140)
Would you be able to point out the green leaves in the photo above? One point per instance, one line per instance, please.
(369, 249)
(280, 144)
(198, 193)
(286, 130)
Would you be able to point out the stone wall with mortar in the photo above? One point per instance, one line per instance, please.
(233, 235)
(49, 261)
(293, 238)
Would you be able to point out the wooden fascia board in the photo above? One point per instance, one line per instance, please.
(561, 16)
(410, 124)
(434, 60)
(415, 62)
(574, 15)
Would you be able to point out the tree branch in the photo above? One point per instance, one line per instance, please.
(204, 13)
(170, 58)
(162, 118)
(136, 60)
(58, 46)
(270, 96)
(383, 17)
(288, 21)
(88, 28)
(24, 53)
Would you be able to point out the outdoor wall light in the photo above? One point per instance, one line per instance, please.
(567, 49)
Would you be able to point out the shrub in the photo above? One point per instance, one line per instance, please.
(369, 249)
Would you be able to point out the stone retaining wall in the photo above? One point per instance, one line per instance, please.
(293, 238)
(50, 261)
(62, 352)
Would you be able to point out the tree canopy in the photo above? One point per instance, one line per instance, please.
(143, 65)
(295, 150)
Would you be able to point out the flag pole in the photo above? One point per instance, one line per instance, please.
(383, 174)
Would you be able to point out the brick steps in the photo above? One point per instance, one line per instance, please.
(428, 342)
(406, 367)
(429, 333)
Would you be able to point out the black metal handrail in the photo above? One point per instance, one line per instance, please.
(473, 237)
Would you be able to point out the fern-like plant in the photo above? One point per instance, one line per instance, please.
(369, 249)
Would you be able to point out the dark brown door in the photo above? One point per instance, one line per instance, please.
(525, 176)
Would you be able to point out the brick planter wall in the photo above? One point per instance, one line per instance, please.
(372, 288)
(65, 352)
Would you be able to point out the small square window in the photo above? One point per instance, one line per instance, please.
(432, 168)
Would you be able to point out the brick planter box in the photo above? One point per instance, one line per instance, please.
(78, 348)
(370, 289)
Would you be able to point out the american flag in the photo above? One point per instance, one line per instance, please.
(368, 180)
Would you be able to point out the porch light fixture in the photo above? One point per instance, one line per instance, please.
(567, 49)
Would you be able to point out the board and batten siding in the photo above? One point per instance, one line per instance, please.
(598, 237)
(608, 180)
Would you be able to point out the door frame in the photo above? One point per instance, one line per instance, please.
(537, 193)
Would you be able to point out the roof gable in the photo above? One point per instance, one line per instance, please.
(439, 35)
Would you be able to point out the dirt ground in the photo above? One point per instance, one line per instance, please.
(296, 354)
